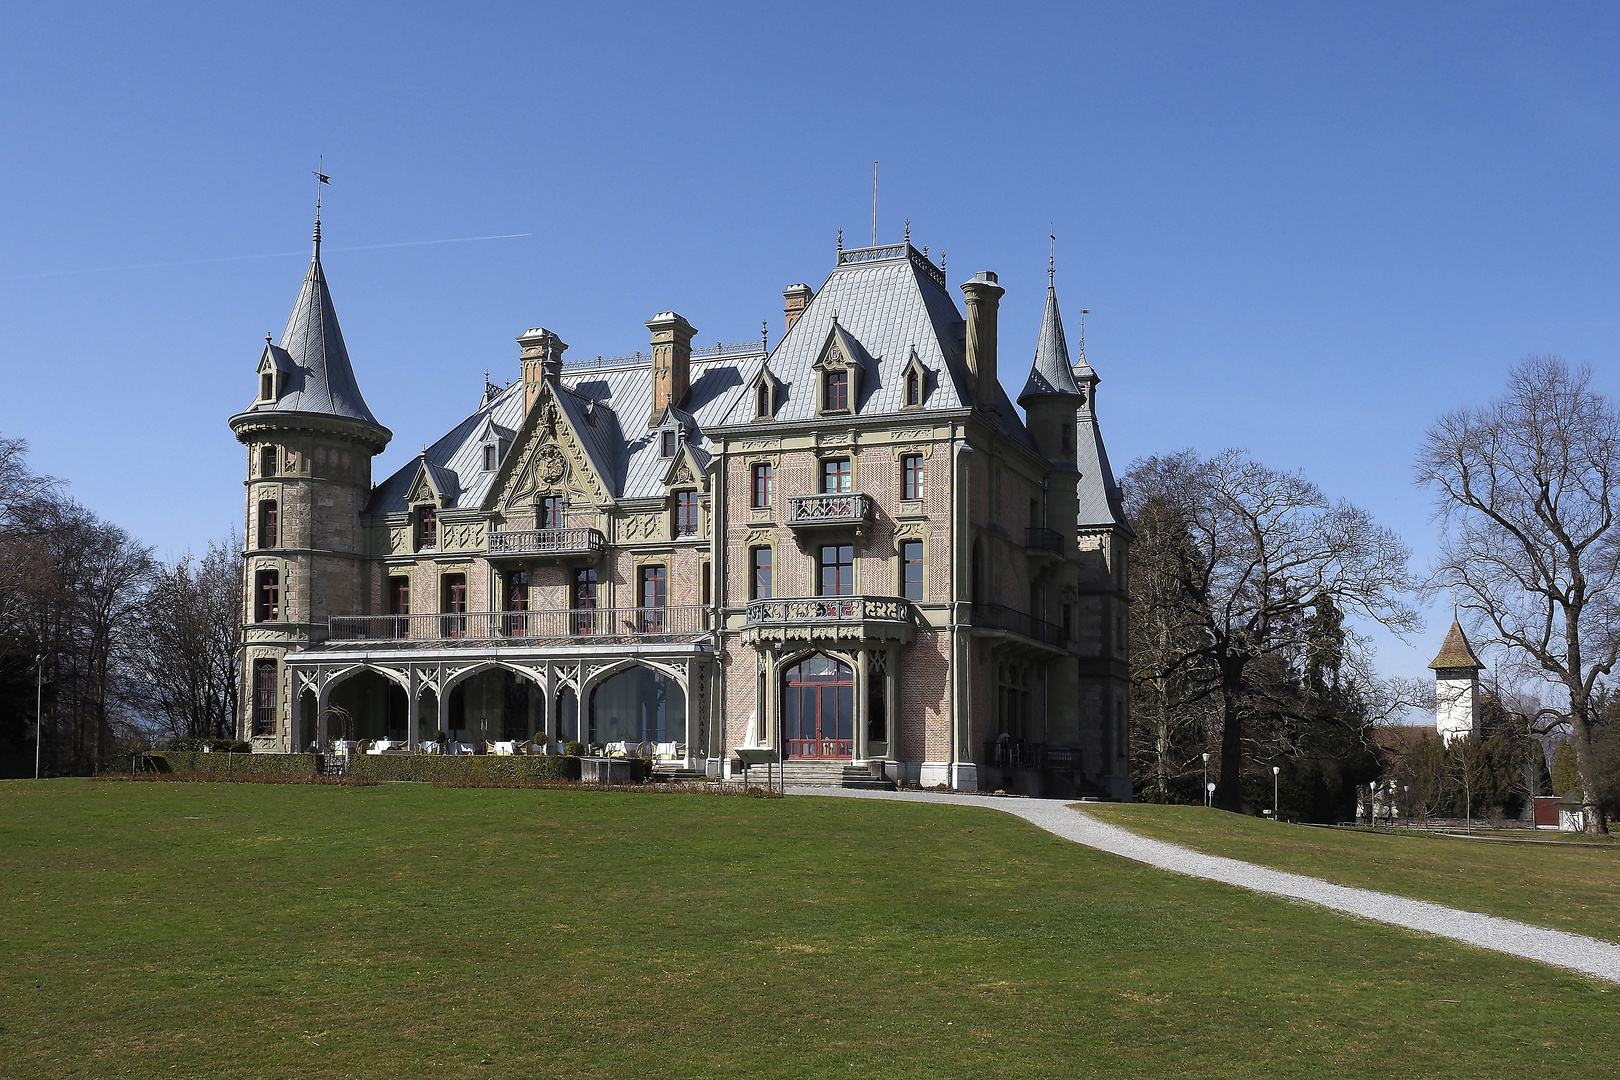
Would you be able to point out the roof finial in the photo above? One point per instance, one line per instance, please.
(840, 239)
(765, 334)
(908, 230)
(942, 261)
(320, 178)
(1051, 263)
(1083, 313)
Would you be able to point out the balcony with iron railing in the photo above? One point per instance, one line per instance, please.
(579, 626)
(1044, 540)
(882, 618)
(531, 543)
(833, 508)
(1001, 617)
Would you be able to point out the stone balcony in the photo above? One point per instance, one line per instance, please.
(830, 618)
(542, 543)
(581, 627)
(838, 509)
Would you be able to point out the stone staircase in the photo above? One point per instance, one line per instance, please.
(824, 774)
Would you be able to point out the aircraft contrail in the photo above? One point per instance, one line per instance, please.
(267, 255)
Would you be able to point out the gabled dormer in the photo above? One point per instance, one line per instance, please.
(276, 369)
(765, 392)
(493, 442)
(914, 382)
(431, 490)
(839, 372)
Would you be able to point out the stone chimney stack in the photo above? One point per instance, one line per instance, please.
(795, 298)
(671, 361)
(541, 359)
(983, 296)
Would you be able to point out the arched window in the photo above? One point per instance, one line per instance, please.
(818, 708)
(762, 400)
(638, 705)
(913, 388)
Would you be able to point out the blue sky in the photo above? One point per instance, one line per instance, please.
(1301, 229)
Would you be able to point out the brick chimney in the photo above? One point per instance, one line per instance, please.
(671, 361)
(983, 296)
(541, 359)
(795, 298)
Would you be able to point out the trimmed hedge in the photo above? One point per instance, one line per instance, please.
(227, 765)
(217, 746)
(435, 768)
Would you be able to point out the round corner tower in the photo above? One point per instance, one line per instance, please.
(310, 439)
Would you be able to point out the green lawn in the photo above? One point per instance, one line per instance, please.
(1567, 886)
(219, 930)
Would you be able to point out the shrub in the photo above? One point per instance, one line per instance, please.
(575, 749)
(217, 746)
(463, 768)
(228, 765)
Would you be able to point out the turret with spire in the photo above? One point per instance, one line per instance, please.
(1456, 686)
(311, 438)
(1050, 396)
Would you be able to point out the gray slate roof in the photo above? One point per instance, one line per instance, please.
(321, 378)
(1100, 501)
(608, 405)
(1049, 373)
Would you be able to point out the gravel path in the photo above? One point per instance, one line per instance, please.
(1556, 947)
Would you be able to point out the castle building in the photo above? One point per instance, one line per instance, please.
(850, 548)
(1456, 687)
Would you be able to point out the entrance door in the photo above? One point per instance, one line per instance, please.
(818, 708)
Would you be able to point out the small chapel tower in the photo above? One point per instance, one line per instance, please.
(310, 440)
(1456, 687)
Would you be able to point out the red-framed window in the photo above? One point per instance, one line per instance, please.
(836, 475)
(654, 596)
(453, 604)
(267, 596)
(549, 513)
(836, 568)
(269, 524)
(399, 596)
(427, 527)
(835, 396)
(584, 601)
(686, 513)
(761, 585)
(911, 476)
(264, 697)
(764, 485)
(911, 569)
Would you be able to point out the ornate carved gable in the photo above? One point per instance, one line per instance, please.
(423, 491)
(547, 459)
(685, 471)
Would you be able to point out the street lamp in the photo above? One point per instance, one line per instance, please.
(1275, 770)
(39, 712)
(1207, 787)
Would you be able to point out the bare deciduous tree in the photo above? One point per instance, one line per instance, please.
(1525, 489)
(1263, 548)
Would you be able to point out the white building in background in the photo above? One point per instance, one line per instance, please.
(1456, 687)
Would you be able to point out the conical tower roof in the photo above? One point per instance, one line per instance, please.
(1456, 652)
(322, 379)
(1050, 375)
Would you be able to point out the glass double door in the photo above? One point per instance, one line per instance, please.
(818, 708)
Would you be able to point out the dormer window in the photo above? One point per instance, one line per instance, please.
(913, 388)
(762, 400)
(427, 527)
(835, 392)
(667, 443)
(267, 386)
(491, 457)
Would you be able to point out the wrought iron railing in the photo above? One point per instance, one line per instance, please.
(1044, 540)
(507, 625)
(545, 541)
(1010, 753)
(832, 508)
(999, 617)
(829, 609)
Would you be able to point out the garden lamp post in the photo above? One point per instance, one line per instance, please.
(39, 710)
(1207, 788)
(1276, 770)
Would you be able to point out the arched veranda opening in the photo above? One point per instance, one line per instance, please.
(496, 704)
(638, 705)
